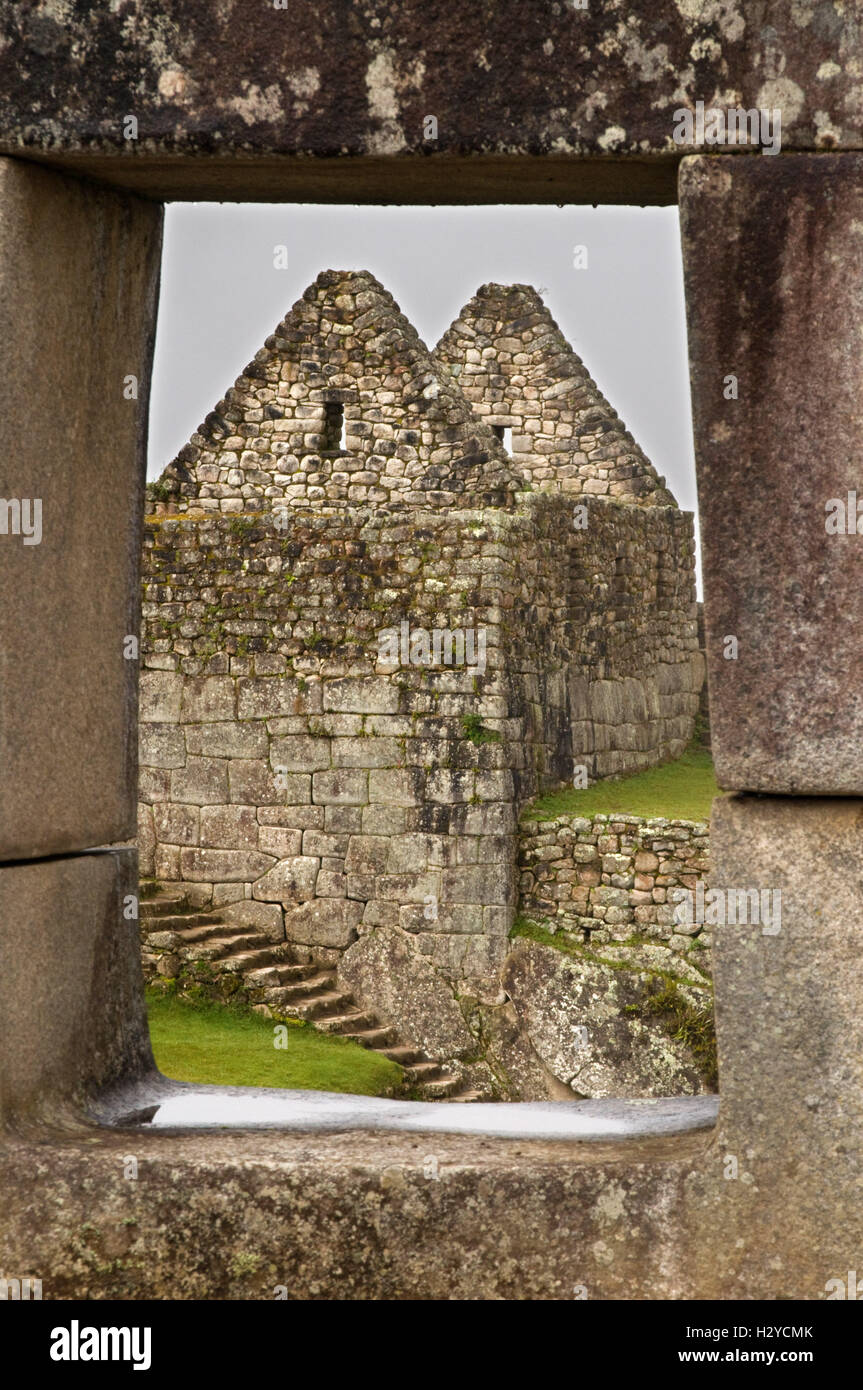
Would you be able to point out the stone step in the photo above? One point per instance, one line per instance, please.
(268, 976)
(310, 1009)
(194, 927)
(309, 987)
(154, 901)
(442, 1088)
(239, 961)
(423, 1071)
(374, 1038)
(345, 1023)
(280, 984)
(148, 908)
(221, 946)
(405, 1056)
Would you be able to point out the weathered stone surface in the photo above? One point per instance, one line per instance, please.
(548, 84)
(160, 696)
(225, 865)
(146, 839)
(272, 696)
(229, 827)
(79, 266)
(386, 974)
(341, 787)
(71, 1009)
(247, 739)
(806, 1093)
(355, 1216)
(785, 716)
(202, 782)
(162, 745)
(290, 881)
(263, 917)
(517, 1068)
(208, 698)
(177, 825)
(327, 922)
(622, 1050)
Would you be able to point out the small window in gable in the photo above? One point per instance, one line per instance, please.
(504, 434)
(333, 428)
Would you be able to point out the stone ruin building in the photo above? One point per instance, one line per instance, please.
(372, 634)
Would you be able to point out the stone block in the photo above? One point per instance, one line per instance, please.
(367, 854)
(791, 999)
(329, 922)
(78, 299)
(252, 783)
(202, 782)
(263, 917)
(393, 788)
(154, 784)
(322, 845)
(227, 739)
(340, 787)
(366, 752)
(490, 818)
(447, 786)
(229, 827)
(293, 817)
(166, 862)
(361, 696)
(225, 893)
(341, 820)
(146, 839)
(177, 825)
(386, 975)
(409, 888)
(72, 1014)
(330, 884)
(290, 881)
(269, 697)
(207, 699)
(278, 840)
(161, 693)
(161, 745)
(224, 865)
(300, 753)
(785, 715)
(383, 820)
(478, 883)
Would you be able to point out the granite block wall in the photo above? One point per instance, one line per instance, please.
(343, 713)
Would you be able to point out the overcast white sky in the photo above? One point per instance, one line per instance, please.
(222, 296)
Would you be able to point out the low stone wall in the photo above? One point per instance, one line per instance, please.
(606, 877)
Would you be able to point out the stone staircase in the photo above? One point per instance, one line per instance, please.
(277, 984)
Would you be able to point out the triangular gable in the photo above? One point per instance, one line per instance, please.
(343, 405)
(518, 372)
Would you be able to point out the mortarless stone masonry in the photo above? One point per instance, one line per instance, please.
(519, 373)
(310, 778)
(344, 358)
(602, 878)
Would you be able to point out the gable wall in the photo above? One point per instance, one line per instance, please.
(411, 440)
(515, 367)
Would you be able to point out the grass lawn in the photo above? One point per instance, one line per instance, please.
(681, 790)
(223, 1046)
